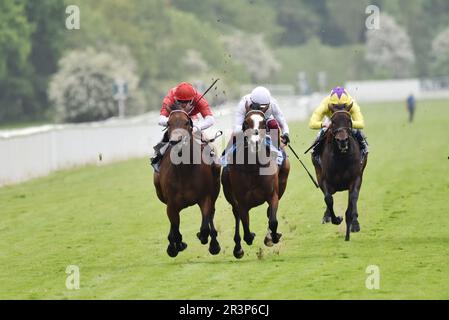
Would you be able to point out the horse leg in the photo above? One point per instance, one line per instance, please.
(174, 237)
(248, 236)
(326, 216)
(272, 236)
(214, 247)
(283, 176)
(330, 205)
(352, 212)
(238, 251)
(206, 209)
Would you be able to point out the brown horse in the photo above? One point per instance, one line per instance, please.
(186, 182)
(248, 184)
(341, 169)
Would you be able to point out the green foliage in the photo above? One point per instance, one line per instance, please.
(162, 35)
(30, 46)
(251, 16)
(82, 88)
(423, 19)
(389, 50)
(257, 58)
(440, 54)
(15, 47)
(339, 63)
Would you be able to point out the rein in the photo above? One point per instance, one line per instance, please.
(178, 111)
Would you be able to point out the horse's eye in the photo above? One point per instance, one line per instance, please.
(187, 123)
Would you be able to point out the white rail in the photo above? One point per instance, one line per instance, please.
(36, 152)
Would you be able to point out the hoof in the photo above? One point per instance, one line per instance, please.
(326, 219)
(355, 226)
(238, 253)
(338, 220)
(203, 240)
(214, 249)
(347, 238)
(276, 237)
(172, 251)
(182, 246)
(268, 241)
(249, 239)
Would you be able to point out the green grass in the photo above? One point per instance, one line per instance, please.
(21, 125)
(108, 221)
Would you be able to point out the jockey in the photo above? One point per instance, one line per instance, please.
(338, 97)
(189, 99)
(260, 98)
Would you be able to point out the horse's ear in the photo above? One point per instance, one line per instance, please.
(350, 106)
(173, 107)
(247, 107)
(331, 107)
(265, 109)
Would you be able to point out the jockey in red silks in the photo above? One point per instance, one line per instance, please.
(185, 96)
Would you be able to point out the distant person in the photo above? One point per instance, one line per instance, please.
(340, 99)
(190, 101)
(411, 106)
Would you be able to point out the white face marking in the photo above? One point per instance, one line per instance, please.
(257, 119)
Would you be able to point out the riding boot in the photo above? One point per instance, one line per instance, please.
(156, 159)
(155, 162)
(316, 152)
(361, 139)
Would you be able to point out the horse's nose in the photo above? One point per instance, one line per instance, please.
(256, 132)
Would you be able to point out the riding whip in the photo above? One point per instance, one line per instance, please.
(211, 86)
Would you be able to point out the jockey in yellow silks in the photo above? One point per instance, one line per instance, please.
(339, 98)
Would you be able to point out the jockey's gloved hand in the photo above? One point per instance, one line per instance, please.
(285, 138)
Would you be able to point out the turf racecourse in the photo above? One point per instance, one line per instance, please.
(107, 221)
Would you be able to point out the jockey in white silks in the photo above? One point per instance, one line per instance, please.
(260, 99)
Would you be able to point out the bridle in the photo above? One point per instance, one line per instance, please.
(188, 117)
(337, 130)
(260, 112)
(251, 112)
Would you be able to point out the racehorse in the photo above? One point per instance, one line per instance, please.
(186, 184)
(341, 169)
(249, 184)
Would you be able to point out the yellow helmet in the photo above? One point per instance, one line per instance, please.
(340, 97)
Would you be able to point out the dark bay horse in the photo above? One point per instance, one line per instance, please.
(250, 183)
(183, 184)
(341, 169)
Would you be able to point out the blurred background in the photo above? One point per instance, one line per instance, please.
(154, 44)
(81, 61)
